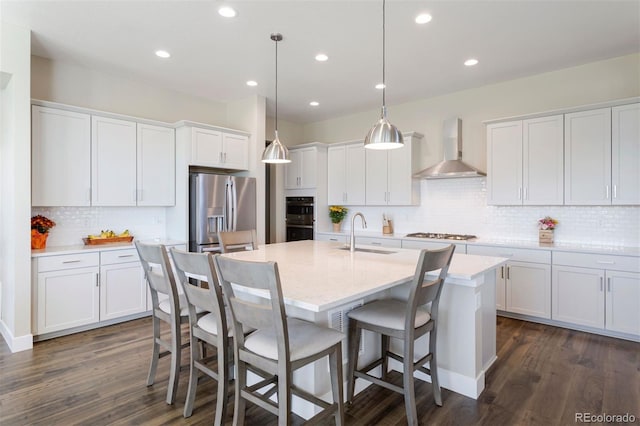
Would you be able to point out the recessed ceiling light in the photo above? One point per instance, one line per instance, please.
(227, 12)
(380, 86)
(252, 83)
(471, 62)
(423, 18)
(163, 54)
(321, 57)
(314, 103)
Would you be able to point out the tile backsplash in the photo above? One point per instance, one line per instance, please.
(460, 206)
(74, 223)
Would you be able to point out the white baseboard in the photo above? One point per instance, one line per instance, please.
(16, 344)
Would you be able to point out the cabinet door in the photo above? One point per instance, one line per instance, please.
(156, 168)
(67, 298)
(206, 147)
(308, 168)
(623, 302)
(376, 191)
(587, 157)
(399, 178)
(578, 296)
(625, 154)
(235, 151)
(355, 174)
(504, 163)
(60, 158)
(123, 290)
(113, 162)
(336, 175)
(543, 161)
(292, 170)
(528, 288)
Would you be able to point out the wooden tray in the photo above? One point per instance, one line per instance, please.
(99, 241)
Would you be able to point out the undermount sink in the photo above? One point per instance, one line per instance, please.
(368, 250)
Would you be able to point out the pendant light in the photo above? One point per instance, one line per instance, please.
(383, 134)
(276, 152)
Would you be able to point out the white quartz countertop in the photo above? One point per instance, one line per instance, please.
(318, 275)
(525, 244)
(80, 248)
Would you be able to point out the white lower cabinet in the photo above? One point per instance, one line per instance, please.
(586, 295)
(341, 238)
(122, 284)
(523, 285)
(68, 292)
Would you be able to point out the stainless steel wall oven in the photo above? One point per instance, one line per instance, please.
(299, 218)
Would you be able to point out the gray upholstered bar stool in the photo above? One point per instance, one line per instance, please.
(169, 306)
(231, 241)
(407, 320)
(210, 328)
(278, 346)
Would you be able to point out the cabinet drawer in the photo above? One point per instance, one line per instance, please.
(381, 242)
(331, 237)
(432, 245)
(516, 254)
(118, 256)
(599, 261)
(68, 261)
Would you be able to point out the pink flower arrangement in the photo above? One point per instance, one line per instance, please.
(547, 223)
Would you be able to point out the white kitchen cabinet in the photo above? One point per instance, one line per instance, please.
(525, 162)
(67, 292)
(123, 289)
(523, 285)
(156, 166)
(378, 241)
(625, 154)
(219, 149)
(113, 162)
(60, 157)
(346, 174)
(389, 174)
(321, 236)
(301, 172)
(589, 291)
(587, 144)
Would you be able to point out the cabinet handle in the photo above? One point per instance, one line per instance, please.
(609, 284)
(375, 243)
(220, 157)
(615, 191)
(502, 272)
(526, 196)
(97, 280)
(333, 239)
(125, 255)
(508, 272)
(519, 193)
(225, 157)
(606, 191)
(71, 261)
(601, 284)
(605, 262)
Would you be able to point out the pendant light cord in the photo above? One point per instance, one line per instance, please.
(384, 84)
(276, 86)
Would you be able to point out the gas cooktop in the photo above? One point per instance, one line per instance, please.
(438, 236)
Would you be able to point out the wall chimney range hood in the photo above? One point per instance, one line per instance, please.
(452, 165)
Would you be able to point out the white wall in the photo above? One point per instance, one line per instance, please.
(15, 186)
(459, 205)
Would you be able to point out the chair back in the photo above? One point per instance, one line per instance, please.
(249, 314)
(191, 270)
(231, 241)
(158, 272)
(423, 290)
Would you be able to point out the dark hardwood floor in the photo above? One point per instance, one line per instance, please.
(543, 376)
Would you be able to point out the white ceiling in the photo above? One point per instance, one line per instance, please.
(213, 57)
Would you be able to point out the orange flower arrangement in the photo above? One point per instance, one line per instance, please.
(42, 224)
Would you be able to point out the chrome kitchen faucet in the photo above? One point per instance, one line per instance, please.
(352, 239)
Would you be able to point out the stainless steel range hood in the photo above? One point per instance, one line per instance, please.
(452, 165)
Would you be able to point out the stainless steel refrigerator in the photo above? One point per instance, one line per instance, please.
(219, 203)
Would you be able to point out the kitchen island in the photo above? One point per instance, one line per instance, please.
(321, 282)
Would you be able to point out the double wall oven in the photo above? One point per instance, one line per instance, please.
(299, 218)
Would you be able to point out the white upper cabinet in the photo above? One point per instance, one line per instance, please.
(60, 157)
(156, 166)
(389, 174)
(113, 162)
(525, 162)
(215, 148)
(346, 174)
(625, 154)
(301, 172)
(587, 144)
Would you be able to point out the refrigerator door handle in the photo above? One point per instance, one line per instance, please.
(229, 206)
(234, 195)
